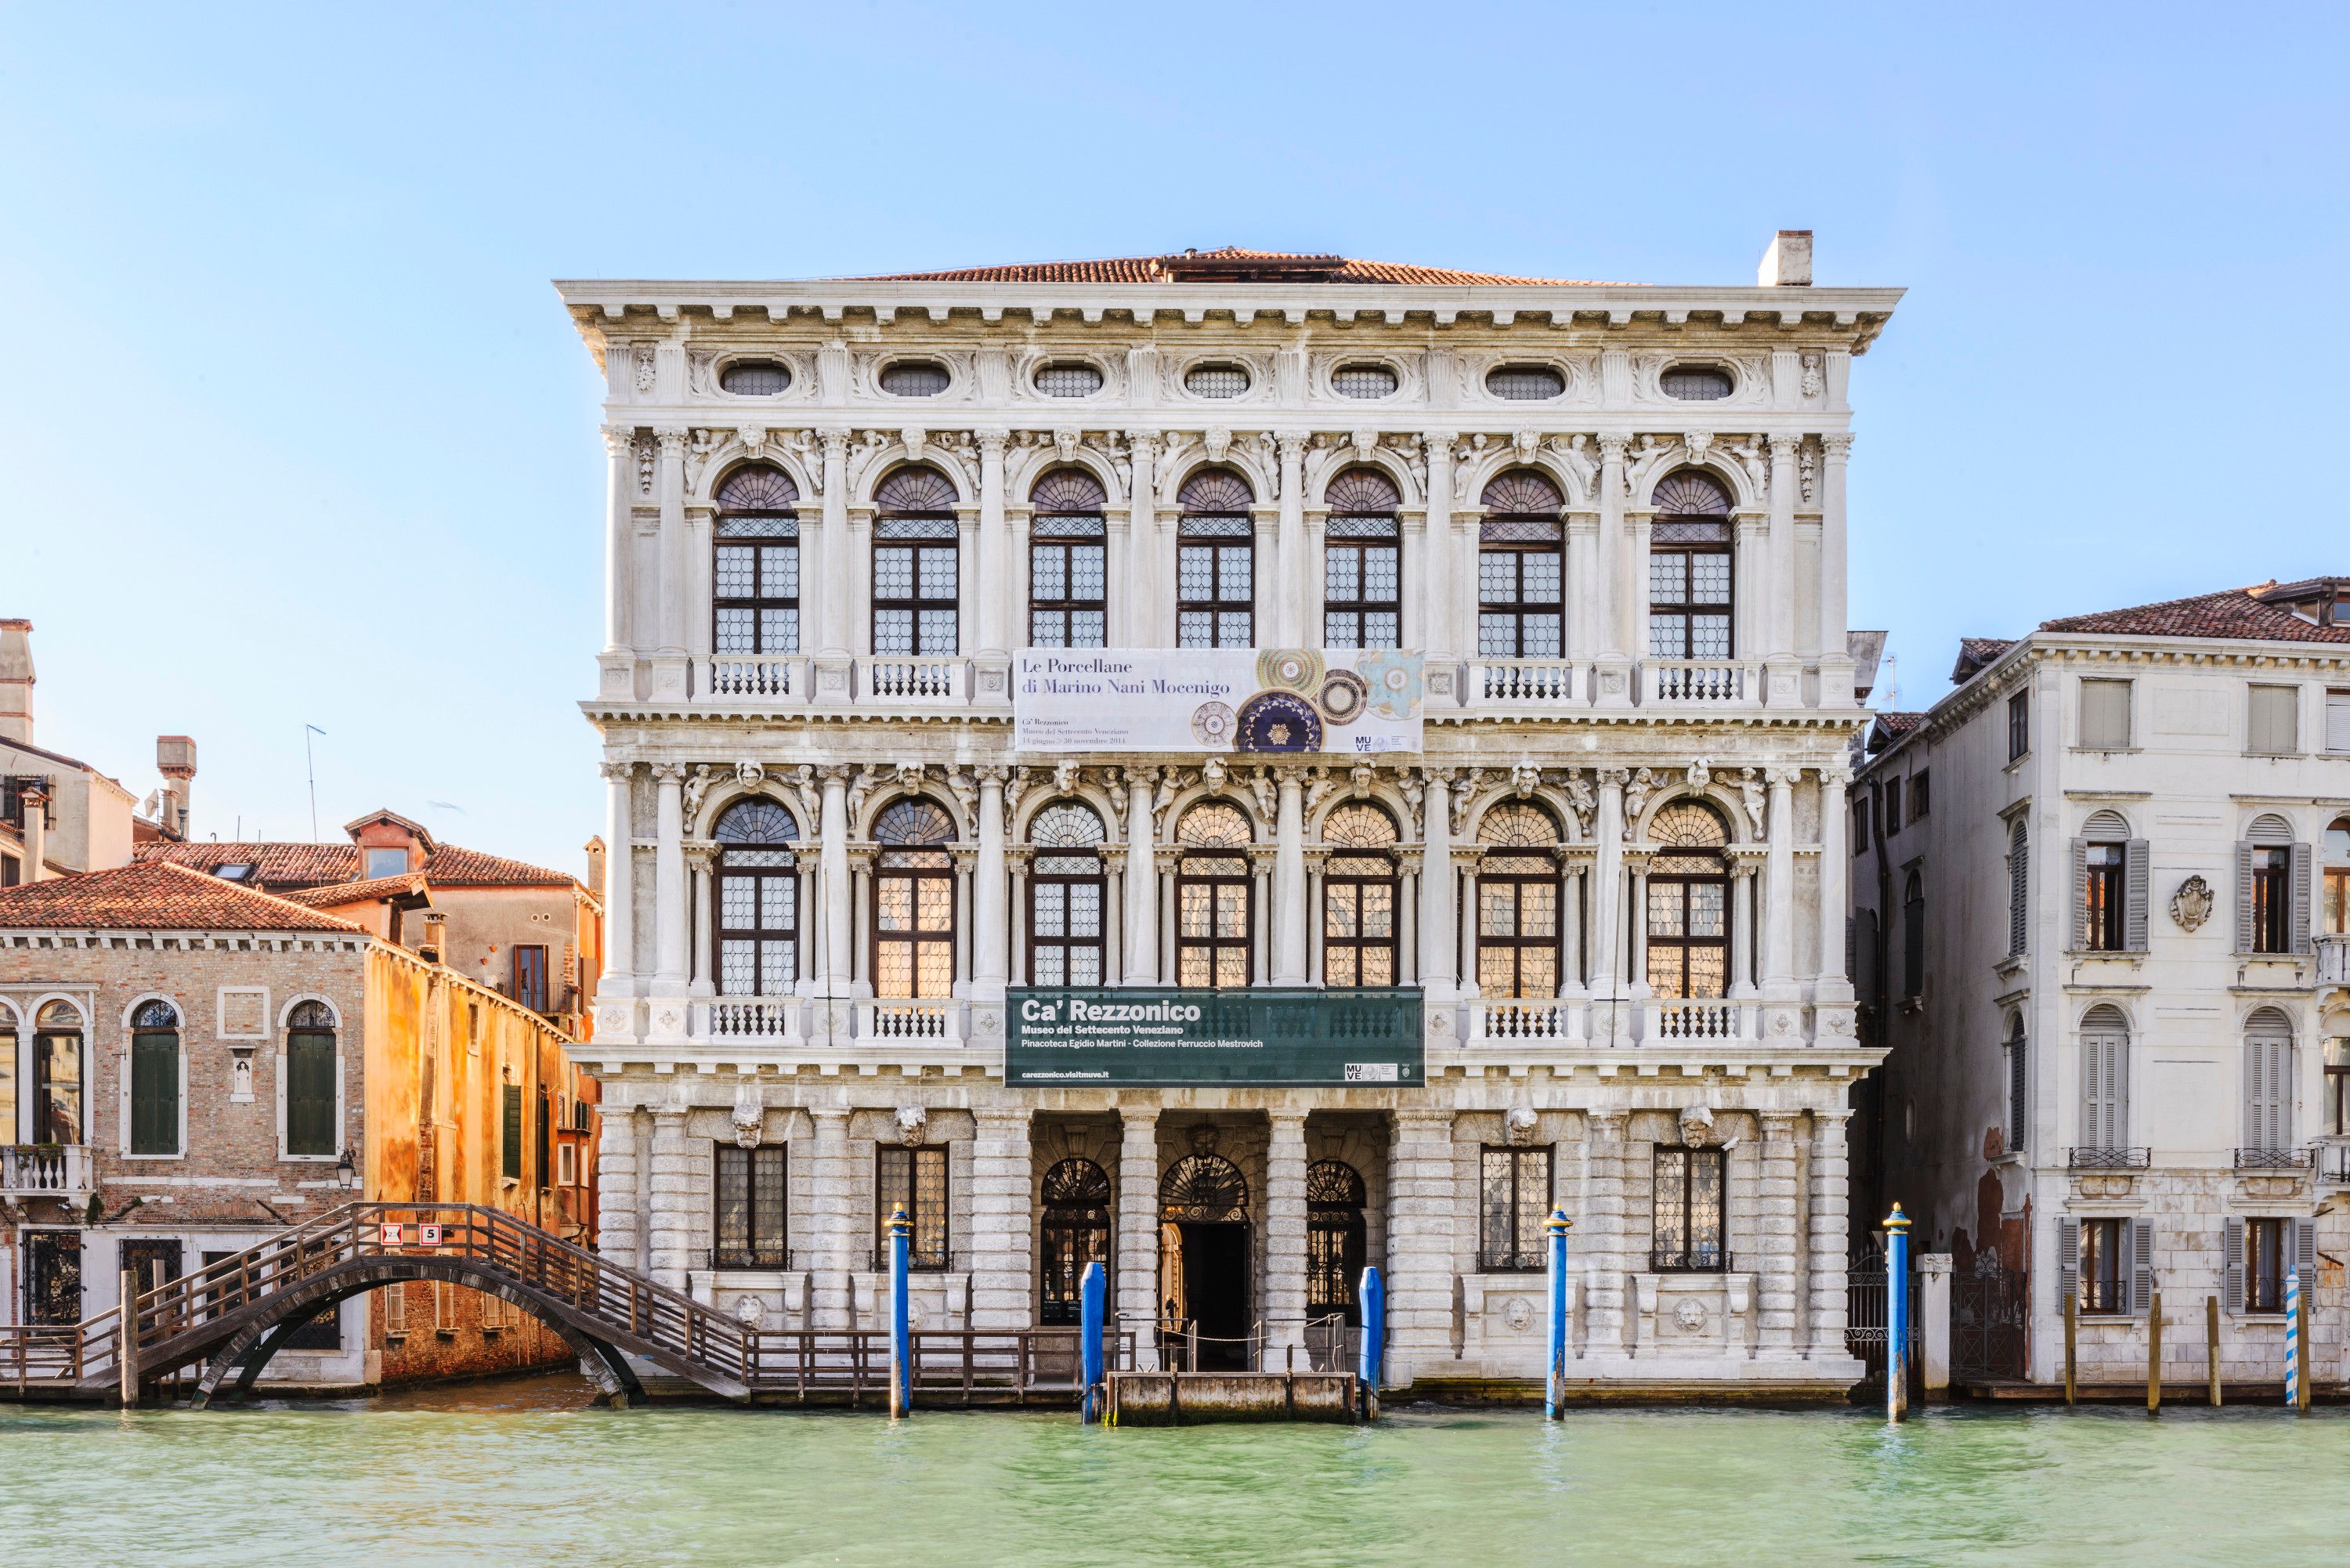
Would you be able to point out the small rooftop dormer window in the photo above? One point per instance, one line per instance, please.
(1216, 380)
(1070, 378)
(755, 379)
(386, 863)
(1367, 380)
(1696, 383)
(234, 871)
(914, 379)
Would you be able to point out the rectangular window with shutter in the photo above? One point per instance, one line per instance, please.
(154, 1091)
(2105, 715)
(2104, 1280)
(510, 1139)
(1922, 793)
(2105, 1094)
(2268, 1094)
(2018, 1062)
(310, 1095)
(2019, 725)
(2271, 725)
(2264, 1265)
(2337, 722)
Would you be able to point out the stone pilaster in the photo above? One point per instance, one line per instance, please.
(1419, 1276)
(674, 1189)
(1136, 1299)
(1830, 1240)
(1284, 1240)
(833, 1193)
(1002, 1266)
(1601, 1236)
(1775, 1223)
(617, 1197)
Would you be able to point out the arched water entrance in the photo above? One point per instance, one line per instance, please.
(1205, 1261)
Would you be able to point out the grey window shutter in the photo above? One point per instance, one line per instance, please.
(2141, 1241)
(2305, 1250)
(2337, 721)
(2093, 1092)
(2135, 870)
(2068, 1261)
(2019, 889)
(2015, 1088)
(2300, 880)
(2268, 1090)
(2243, 898)
(2080, 941)
(2231, 1246)
(2105, 1072)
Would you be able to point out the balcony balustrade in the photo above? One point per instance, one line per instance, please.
(769, 678)
(1526, 685)
(1665, 1021)
(64, 1170)
(1700, 682)
(2333, 959)
(2276, 1159)
(2332, 1157)
(776, 1019)
(901, 681)
(938, 1023)
(1534, 1022)
(2104, 1158)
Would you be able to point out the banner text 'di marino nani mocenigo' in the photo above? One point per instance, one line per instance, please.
(1144, 1037)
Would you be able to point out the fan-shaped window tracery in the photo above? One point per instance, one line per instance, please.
(1203, 1188)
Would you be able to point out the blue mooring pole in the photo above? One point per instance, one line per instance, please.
(1555, 1390)
(2292, 1338)
(1093, 1292)
(1897, 1315)
(1374, 1296)
(901, 1345)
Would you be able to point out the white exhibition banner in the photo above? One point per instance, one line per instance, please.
(1305, 699)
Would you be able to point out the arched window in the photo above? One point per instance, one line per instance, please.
(155, 1078)
(1362, 563)
(915, 582)
(1334, 1239)
(2338, 876)
(60, 1112)
(1075, 1233)
(1521, 568)
(2266, 895)
(1690, 587)
(914, 901)
(1358, 896)
(1688, 902)
(1214, 899)
(1215, 562)
(756, 605)
(2105, 1089)
(1068, 569)
(2103, 880)
(312, 1127)
(1203, 1189)
(1517, 902)
(758, 916)
(2018, 1082)
(1913, 936)
(1067, 897)
(2268, 1089)
(2019, 889)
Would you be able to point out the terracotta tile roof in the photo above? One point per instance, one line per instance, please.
(153, 896)
(333, 894)
(1226, 264)
(1974, 652)
(2235, 613)
(285, 866)
(1900, 724)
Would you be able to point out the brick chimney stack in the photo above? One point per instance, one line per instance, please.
(595, 847)
(36, 800)
(175, 758)
(16, 680)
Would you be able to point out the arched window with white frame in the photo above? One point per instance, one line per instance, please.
(1067, 896)
(1522, 568)
(1362, 562)
(60, 1107)
(1215, 562)
(1068, 562)
(1215, 902)
(914, 901)
(916, 569)
(154, 1078)
(755, 605)
(1691, 577)
(1359, 886)
(313, 1084)
(758, 898)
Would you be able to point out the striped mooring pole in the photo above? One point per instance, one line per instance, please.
(2292, 1338)
(901, 1346)
(1093, 1294)
(1555, 1390)
(1897, 1315)
(1373, 1295)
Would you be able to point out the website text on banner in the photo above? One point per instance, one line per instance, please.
(1216, 700)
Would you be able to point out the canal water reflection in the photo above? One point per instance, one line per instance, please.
(522, 1474)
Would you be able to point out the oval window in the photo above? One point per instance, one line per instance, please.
(1696, 383)
(754, 378)
(1215, 380)
(1526, 383)
(914, 379)
(1363, 381)
(1070, 380)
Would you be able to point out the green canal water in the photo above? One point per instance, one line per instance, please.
(521, 1474)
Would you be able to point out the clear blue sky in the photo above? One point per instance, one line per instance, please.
(298, 433)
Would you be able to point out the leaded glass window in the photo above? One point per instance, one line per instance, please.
(1215, 563)
(915, 1179)
(1214, 898)
(1686, 1207)
(1689, 903)
(1067, 897)
(915, 571)
(1689, 569)
(1334, 1235)
(1520, 570)
(1216, 380)
(757, 923)
(755, 607)
(1075, 1233)
(1526, 383)
(750, 1209)
(1366, 380)
(1359, 893)
(1068, 378)
(1514, 1202)
(1517, 902)
(915, 379)
(1068, 571)
(754, 378)
(1696, 383)
(913, 902)
(1362, 562)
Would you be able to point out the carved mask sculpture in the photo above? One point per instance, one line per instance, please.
(912, 1122)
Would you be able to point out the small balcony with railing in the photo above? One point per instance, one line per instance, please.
(2331, 1157)
(2332, 964)
(762, 678)
(1701, 683)
(65, 1171)
(1528, 685)
(1671, 1022)
(1525, 1022)
(2104, 1158)
(782, 1022)
(2285, 1160)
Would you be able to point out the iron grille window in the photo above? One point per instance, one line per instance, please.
(1068, 380)
(310, 1127)
(915, 1178)
(1362, 563)
(1075, 1233)
(1335, 1239)
(2264, 1265)
(915, 576)
(155, 1079)
(2019, 725)
(1517, 903)
(1363, 381)
(2105, 872)
(913, 902)
(1696, 383)
(751, 1209)
(1513, 1201)
(1215, 899)
(1215, 564)
(1215, 380)
(1068, 569)
(1689, 904)
(2104, 1279)
(1358, 897)
(1526, 383)
(1067, 897)
(758, 895)
(754, 378)
(1689, 1193)
(915, 379)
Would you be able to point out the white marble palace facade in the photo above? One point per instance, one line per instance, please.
(1614, 518)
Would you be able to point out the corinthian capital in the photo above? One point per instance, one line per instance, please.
(673, 439)
(619, 439)
(991, 443)
(836, 445)
(1837, 444)
(617, 773)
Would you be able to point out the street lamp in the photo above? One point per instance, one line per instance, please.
(347, 1173)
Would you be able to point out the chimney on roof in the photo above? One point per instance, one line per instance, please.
(16, 680)
(436, 937)
(595, 847)
(175, 758)
(1788, 263)
(35, 799)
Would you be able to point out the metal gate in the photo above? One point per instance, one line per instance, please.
(1864, 1319)
(1990, 1317)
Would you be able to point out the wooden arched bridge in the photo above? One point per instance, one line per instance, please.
(226, 1320)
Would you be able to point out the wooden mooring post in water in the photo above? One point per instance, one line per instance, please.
(126, 1343)
(2211, 1345)
(2154, 1355)
(2072, 1345)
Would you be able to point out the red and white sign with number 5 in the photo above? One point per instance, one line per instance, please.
(428, 1235)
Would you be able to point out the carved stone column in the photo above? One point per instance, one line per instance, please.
(1136, 1300)
(1420, 1203)
(1777, 1242)
(1439, 565)
(1779, 926)
(833, 1207)
(1294, 589)
(1284, 1241)
(669, 666)
(1607, 1017)
(668, 882)
(1289, 911)
(995, 584)
(1587, 594)
(1835, 662)
(1784, 678)
(699, 909)
(1002, 1266)
(1742, 926)
(620, 494)
(1637, 868)
(1834, 987)
(839, 613)
(833, 872)
(1139, 589)
(1831, 1199)
(1439, 977)
(673, 1190)
(1141, 881)
(1615, 688)
(992, 957)
(618, 980)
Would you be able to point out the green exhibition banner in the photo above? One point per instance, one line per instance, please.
(1145, 1037)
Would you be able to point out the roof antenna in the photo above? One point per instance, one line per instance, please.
(1892, 684)
(308, 731)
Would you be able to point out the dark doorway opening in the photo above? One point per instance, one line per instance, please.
(1216, 1291)
(53, 1276)
(151, 1262)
